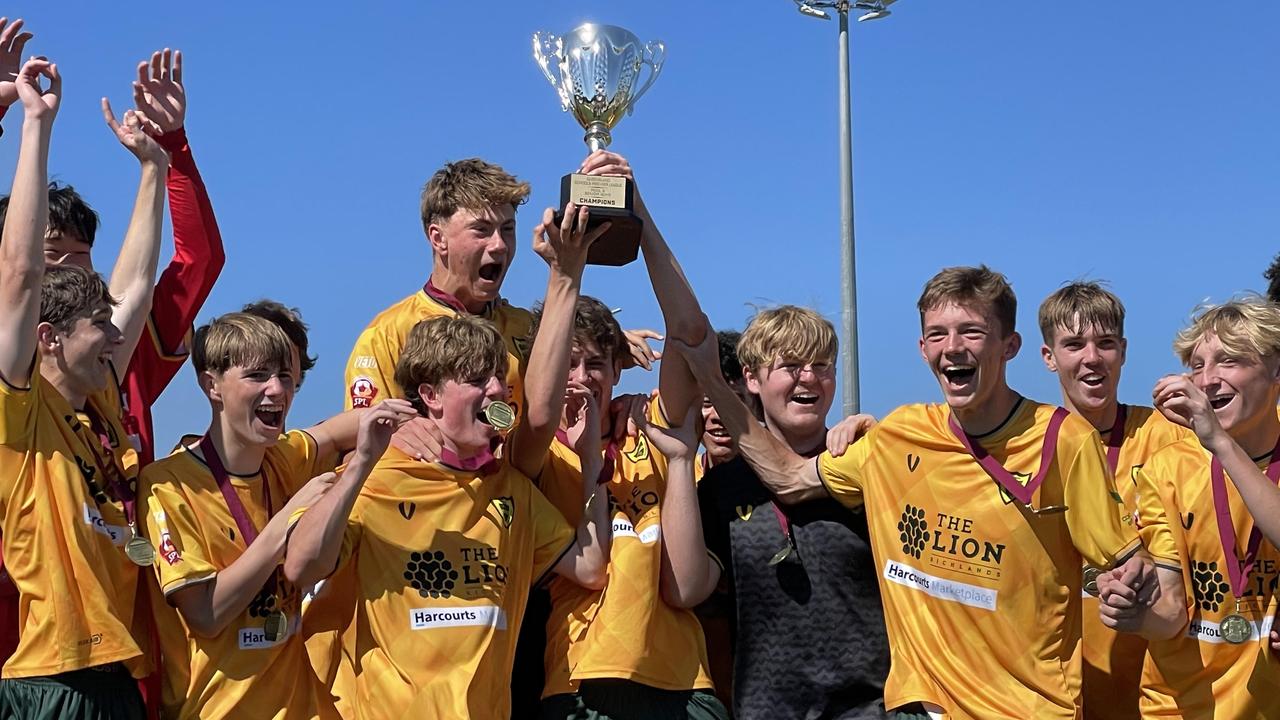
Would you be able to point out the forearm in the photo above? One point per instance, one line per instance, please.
(337, 435)
(688, 574)
(587, 562)
(316, 540)
(789, 476)
(134, 275)
(545, 376)
(1260, 495)
(22, 252)
(681, 315)
(234, 588)
(198, 255)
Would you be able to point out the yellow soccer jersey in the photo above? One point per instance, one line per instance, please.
(239, 672)
(63, 536)
(371, 368)
(1112, 660)
(443, 564)
(1198, 674)
(625, 631)
(982, 597)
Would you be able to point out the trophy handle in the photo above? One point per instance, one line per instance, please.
(655, 53)
(546, 47)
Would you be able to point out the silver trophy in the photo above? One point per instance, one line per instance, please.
(596, 71)
(597, 68)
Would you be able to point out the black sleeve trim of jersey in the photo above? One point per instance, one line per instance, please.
(1169, 566)
(822, 479)
(559, 556)
(188, 582)
(1127, 552)
(31, 377)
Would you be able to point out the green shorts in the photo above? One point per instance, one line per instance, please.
(626, 700)
(100, 693)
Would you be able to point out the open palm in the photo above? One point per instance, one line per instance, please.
(158, 93)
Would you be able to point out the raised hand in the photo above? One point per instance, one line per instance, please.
(158, 93)
(1182, 403)
(378, 424)
(12, 42)
(132, 134)
(603, 162)
(583, 416)
(642, 354)
(565, 246)
(39, 104)
(621, 411)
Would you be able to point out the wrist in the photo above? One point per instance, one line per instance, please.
(173, 140)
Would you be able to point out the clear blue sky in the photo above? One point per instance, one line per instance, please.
(1133, 142)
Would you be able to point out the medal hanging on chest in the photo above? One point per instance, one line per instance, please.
(790, 549)
(275, 627)
(1236, 628)
(1004, 478)
(137, 548)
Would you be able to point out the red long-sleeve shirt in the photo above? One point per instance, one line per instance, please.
(181, 291)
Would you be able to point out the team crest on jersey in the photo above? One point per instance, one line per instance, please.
(744, 512)
(363, 391)
(1022, 478)
(506, 509)
(641, 451)
(521, 346)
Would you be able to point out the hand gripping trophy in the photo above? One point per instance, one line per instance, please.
(596, 71)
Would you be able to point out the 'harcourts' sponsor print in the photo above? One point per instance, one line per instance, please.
(949, 590)
(461, 616)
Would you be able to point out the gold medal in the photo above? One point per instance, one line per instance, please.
(139, 550)
(1091, 580)
(276, 626)
(1235, 629)
(781, 555)
(499, 415)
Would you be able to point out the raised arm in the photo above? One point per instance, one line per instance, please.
(680, 309)
(564, 247)
(587, 561)
(1181, 402)
(134, 275)
(689, 576)
(198, 256)
(789, 476)
(316, 541)
(22, 245)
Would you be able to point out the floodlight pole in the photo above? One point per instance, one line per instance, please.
(848, 260)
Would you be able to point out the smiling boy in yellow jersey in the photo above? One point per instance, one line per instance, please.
(218, 512)
(1209, 655)
(66, 475)
(980, 577)
(469, 217)
(1083, 329)
(440, 557)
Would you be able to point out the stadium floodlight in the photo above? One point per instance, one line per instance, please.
(811, 11)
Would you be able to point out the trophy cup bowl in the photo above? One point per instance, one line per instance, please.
(596, 69)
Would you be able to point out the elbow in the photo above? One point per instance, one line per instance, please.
(595, 580)
(683, 598)
(300, 572)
